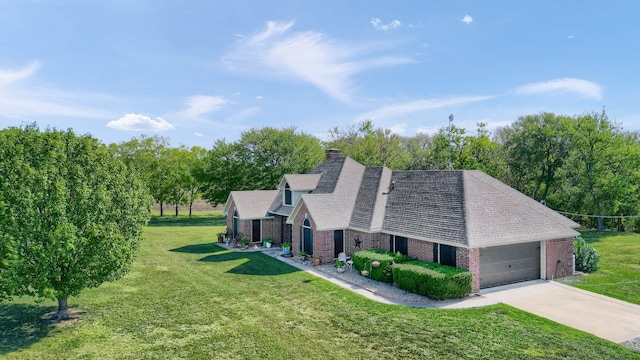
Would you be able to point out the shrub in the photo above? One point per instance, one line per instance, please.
(363, 260)
(433, 280)
(587, 258)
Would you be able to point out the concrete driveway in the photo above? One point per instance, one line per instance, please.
(605, 317)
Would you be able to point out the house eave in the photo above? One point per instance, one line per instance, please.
(567, 235)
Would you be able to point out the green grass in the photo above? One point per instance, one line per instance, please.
(619, 273)
(188, 298)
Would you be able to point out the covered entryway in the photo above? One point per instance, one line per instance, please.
(507, 264)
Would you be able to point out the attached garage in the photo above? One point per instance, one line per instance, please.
(507, 264)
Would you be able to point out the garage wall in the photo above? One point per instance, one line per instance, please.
(559, 249)
(509, 263)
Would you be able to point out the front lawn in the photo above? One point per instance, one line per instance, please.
(188, 298)
(619, 273)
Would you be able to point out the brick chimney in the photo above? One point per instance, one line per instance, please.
(333, 153)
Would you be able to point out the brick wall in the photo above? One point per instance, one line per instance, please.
(368, 241)
(244, 226)
(421, 250)
(469, 259)
(295, 230)
(229, 219)
(323, 246)
(271, 229)
(559, 249)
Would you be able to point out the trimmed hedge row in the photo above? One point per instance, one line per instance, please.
(432, 279)
(363, 260)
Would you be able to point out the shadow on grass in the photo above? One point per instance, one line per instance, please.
(22, 325)
(214, 220)
(257, 264)
(205, 248)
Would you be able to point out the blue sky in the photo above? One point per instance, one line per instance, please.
(197, 71)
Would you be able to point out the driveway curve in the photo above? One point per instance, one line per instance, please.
(600, 315)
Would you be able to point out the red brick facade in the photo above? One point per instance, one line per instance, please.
(469, 259)
(269, 228)
(323, 245)
(559, 256)
(419, 249)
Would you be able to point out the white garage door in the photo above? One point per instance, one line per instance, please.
(508, 264)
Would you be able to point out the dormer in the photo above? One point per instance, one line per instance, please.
(294, 186)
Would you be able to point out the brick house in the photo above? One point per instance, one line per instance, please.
(463, 218)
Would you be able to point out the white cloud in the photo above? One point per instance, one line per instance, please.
(467, 19)
(259, 97)
(309, 56)
(377, 24)
(11, 76)
(427, 130)
(198, 134)
(202, 104)
(20, 98)
(399, 110)
(399, 129)
(139, 122)
(565, 85)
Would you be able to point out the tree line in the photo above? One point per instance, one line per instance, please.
(584, 164)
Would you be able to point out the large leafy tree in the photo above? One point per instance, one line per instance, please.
(538, 146)
(370, 146)
(602, 177)
(257, 161)
(71, 214)
(150, 156)
(195, 160)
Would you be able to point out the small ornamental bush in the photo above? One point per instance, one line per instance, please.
(363, 260)
(587, 258)
(433, 280)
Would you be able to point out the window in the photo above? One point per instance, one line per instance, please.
(287, 194)
(444, 254)
(399, 244)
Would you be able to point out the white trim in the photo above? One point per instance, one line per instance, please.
(543, 259)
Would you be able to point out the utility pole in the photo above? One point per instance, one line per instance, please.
(449, 138)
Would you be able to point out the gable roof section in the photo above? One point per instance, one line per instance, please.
(497, 214)
(304, 182)
(332, 211)
(253, 204)
(427, 205)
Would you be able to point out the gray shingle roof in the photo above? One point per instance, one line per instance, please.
(496, 214)
(368, 213)
(468, 208)
(463, 208)
(332, 211)
(330, 171)
(304, 182)
(253, 204)
(427, 205)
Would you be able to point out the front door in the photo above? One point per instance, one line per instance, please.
(255, 230)
(338, 242)
(307, 237)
